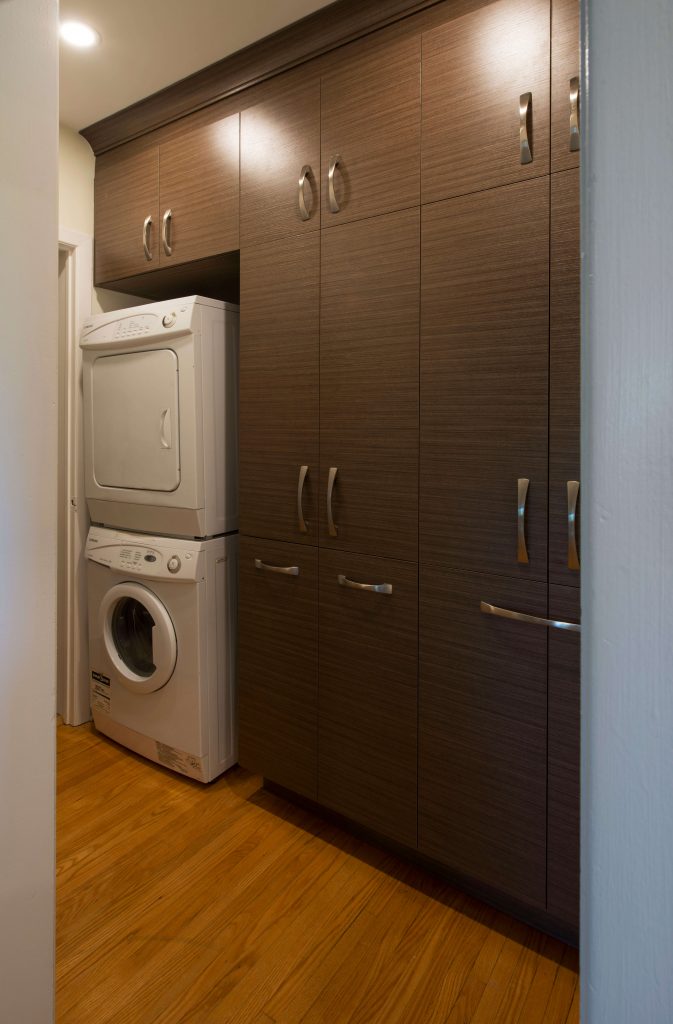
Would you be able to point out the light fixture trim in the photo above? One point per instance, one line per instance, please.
(77, 33)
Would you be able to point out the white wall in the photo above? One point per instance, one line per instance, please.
(627, 809)
(28, 387)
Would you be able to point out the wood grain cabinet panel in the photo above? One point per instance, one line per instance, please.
(199, 176)
(369, 384)
(279, 137)
(475, 69)
(565, 65)
(279, 390)
(564, 384)
(368, 693)
(278, 664)
(126, 191)
(563, 840)
(483, 731)
(371, 119)
(484, 379)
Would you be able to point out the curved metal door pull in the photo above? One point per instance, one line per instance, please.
(285, 570)
(165, 232)
(573, 555)
(525, 117)
(375, 588)
(147, 224)
(303, 473)
(574, 114)
(535, 620)
(306, 172)
(521, 549)
(331, 528)
(333, 164)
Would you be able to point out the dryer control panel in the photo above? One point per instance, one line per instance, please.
(146, 557)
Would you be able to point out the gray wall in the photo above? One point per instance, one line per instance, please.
(627, 811)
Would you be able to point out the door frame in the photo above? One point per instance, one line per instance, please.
(73, 682)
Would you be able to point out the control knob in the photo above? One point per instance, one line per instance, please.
(174, 564)
(168, 320)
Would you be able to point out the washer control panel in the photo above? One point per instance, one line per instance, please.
(157, 558)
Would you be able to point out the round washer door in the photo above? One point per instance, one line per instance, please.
(139, 637)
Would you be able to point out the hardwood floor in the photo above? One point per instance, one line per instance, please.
(183, 904)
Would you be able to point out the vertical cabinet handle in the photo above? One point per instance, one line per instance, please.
(166, 232)
(303, 473)
(147, 225)
(333, 164)
(525, 132)
(331, 528)
(522, 497)
(574, 114)
(573, 555)
(306, 172)
(374, 588)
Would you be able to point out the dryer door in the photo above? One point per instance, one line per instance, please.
(139, 637)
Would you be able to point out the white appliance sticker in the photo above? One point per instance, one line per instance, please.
(100, 693)
(178, 760)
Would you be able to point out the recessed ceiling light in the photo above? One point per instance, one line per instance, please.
(78, 34)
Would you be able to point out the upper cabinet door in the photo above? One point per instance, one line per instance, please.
(279, 365)
(199, 192)
(486, 99)
(369, 386)
(280, 161)
(126, 214)
(565, 75)
(564, 384)
(484, 381)
(370, 140)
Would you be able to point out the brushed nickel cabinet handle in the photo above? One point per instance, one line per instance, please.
(522, 498)
(574, 114)
(525, 117)
(147, 225)
(285, 570)
(375, 588)
(303, 473)
(535, 620)
(332, 529)
(166, 231)
(306, 172)
(333, 164)
(573, 555)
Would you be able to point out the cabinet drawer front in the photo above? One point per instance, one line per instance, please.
(368, 693)
(278, 663)
(279, 366)
(565, 66)
(483, 731)
(484, 380)
(126, 193)
(475, 70)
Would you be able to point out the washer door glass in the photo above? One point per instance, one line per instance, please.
(132, 627)
(139, 637)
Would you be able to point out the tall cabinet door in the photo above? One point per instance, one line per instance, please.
(203, 206)
(564, 386)
(278, 663)
(486, 99)
(371, 122)
(369, 386)
(126, 210)
(484, 381)
(280, 160)
(279, 365)
(565, 71)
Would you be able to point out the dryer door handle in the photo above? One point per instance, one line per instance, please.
(165, 429)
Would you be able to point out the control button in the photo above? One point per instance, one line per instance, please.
(174, 564)
(150, 558)
(168, 320)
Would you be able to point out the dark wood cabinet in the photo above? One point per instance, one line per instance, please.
(369, 308)
(370, 120)
(476, 69)
(563, 872)
(278, 663)
(564, 384)
(126, 194)
(484, 380)
(483, 731)
(279, 366)
(565, 72)
(280, 137)
(368, 692)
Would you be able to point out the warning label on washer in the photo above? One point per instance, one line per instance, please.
(100, 693)
(179, 761)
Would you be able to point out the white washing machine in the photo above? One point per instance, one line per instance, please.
(161, 417)
(162, 647)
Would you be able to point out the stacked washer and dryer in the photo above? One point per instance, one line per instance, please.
(161, 449)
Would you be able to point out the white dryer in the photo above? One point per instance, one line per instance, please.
(162, 647)
(161, 418)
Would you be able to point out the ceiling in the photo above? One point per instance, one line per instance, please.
(148, 44)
